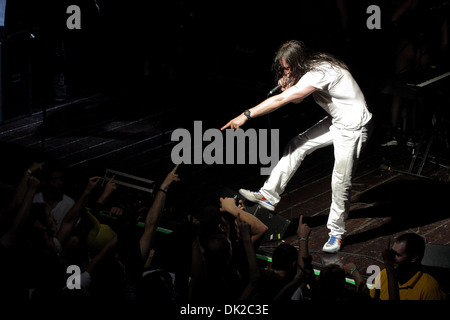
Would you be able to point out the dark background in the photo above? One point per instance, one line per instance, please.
(208, 60)
(189, 44)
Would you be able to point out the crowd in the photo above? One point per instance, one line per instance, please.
(211, 255)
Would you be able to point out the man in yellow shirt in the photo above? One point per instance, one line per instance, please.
(404, 277)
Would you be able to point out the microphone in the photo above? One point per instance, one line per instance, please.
(278, 87)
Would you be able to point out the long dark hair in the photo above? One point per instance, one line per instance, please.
(301, 59)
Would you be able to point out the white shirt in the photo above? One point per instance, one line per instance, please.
(60, 210)
(339, 95)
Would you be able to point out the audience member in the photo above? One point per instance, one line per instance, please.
(210, 257)
(121, 256)
(332, 285)
(216, 258)
(51, 247)
(98, 234)
(284, 279)
(404, 277)
(272, 280)
(14, 263)
(17, 199)
(153, 282)
(303, 283)
(52, 192)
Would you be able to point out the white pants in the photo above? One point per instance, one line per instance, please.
(347, 148)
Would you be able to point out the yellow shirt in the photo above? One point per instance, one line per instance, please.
(98, 235)
(422, 286)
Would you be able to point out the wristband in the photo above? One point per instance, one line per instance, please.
(353, 270)
(29, 172)
(162, 190)
(302, 239)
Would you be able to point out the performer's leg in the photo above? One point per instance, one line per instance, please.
(295, 152)
(347, 148)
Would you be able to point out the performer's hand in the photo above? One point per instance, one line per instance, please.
(236, 123)
(285, 83)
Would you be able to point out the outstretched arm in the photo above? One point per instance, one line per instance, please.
(304, 267)
(21, 188)
(253, 268)
(154, 214)
(351, 270)
(303, 232)
(71, 218)
(258, 228)
(294, 94)
(10, 237)
(107, 191)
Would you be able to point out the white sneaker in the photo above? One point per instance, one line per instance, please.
(333, 245)
(256, 196)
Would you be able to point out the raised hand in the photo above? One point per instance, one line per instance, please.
(229, 205)
(110, 186)
(171, 177)
(36, 167)
(93, 183)
(115, 212)
(303, 230)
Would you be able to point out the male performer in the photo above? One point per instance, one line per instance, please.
(302, 72)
